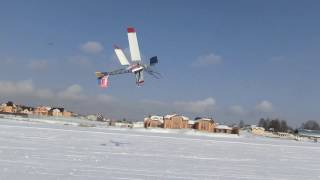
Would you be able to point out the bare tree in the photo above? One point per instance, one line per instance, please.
(283, 126)
(241, 124)
(311, 125)
(265, 123)
(275, 125)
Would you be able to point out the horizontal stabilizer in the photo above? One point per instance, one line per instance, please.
(99, 74)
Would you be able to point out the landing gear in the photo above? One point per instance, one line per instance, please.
(139, 78)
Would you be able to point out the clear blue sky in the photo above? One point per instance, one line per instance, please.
(228, 59)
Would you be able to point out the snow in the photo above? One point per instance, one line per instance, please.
(156, 118)
(34, 150)
(224, 127)
(185, 118)
(191, 122)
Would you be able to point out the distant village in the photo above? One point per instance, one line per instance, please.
(175, 121)
(264, 128)
(11, 108)
(172, 121)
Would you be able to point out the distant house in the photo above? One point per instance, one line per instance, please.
(67, 114)
(257, 130)
(153, 122)
(205, 124)
(191, 124)
(138, 124)
(175, 121)
(123, 124)
(223, 129)
(41, 111)
(8, 109)
(92, 117)
(55, 112)
(2, 106)
(27, 111)
(235, 130)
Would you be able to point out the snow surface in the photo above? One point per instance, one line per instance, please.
(32, 150)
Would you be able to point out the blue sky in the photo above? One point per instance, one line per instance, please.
(228, 59)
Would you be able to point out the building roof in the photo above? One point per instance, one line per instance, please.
(158, 118)
(170, 116)
(204, 119)
(173, 115)
(55, 110)
(155, 118)
(185, 118)
(223, 127)
(258, 128)
(191, 122)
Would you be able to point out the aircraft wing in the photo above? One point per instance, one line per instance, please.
(121, 56)
(133, 45)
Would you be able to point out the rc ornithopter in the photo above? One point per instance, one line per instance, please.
(136, 67)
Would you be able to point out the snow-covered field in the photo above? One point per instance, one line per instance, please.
(31, 150)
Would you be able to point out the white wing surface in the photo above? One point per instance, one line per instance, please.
(133, 44)
(121, 56)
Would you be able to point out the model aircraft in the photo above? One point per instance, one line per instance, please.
(136, 66)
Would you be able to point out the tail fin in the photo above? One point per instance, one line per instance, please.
(153, 60)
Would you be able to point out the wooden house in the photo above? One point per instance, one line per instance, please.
(27, 111)
(205, 124)
(153, 122)
(41, 111)
(257, 130)
(8, 109)
(55, 112)
(175, 122)
(191, 124)
(66, 114)
(223, 129)
(235, 130)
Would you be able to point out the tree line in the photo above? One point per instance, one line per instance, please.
(277, 125)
